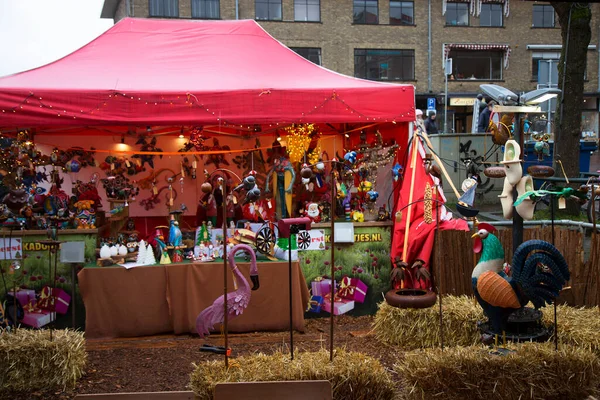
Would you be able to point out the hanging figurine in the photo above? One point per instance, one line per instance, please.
(282, 184)
(147, 147)
(541, 147)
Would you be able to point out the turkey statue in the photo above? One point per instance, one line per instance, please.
(537, 275)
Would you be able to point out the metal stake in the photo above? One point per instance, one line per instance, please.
(332, 244)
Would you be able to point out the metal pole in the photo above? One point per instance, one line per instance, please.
(429, 84)
(517, 228)
(439, 277)
(593, 204)
(552, 201)
(332, 244)
(74, 296)
(290, 288)
(446, 100)
(549, 125)
(225, 333)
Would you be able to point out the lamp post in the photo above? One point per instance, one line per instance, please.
(447, 71)
(518, 104)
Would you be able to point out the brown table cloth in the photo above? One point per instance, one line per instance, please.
(124, 303)
(159, 299)
(193, 287)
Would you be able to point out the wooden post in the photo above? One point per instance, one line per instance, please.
(413, 162)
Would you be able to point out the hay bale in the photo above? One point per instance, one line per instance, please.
(534, 371)
(420, 328)
(29, 361)
(353, 376)
(577, 326)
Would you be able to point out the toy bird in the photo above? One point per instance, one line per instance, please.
(175, 236)
(237, 301)
(539, 273)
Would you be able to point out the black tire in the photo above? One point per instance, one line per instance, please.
(410, 298)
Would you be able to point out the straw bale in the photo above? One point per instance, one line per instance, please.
(29, 361)
(420, 328)
(353, 376)
(533, 371)
(577, 326)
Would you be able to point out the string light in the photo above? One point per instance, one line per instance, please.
(191, 100)
(298, 140)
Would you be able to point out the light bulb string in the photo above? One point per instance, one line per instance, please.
(190, 100)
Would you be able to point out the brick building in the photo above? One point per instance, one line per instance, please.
(513, 43)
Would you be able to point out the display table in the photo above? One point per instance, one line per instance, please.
(161, 299)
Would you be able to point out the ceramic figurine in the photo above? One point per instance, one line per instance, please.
(123, 250)
(114, 251)
(104, 251)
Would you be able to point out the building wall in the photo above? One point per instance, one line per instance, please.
(337, 37)
(121, 10)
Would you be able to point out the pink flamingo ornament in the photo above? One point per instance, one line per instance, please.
(237, 301)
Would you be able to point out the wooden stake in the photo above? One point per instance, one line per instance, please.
(413, 163)
(440, 163)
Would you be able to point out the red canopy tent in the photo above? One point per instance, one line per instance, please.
(174, 72)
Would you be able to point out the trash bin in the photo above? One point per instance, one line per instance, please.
(586, 148)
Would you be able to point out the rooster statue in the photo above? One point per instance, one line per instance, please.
(538, 273)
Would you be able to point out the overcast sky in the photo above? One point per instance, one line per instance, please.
(37, 32)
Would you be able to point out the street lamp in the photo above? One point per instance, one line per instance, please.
(507, 98)
(517, 104)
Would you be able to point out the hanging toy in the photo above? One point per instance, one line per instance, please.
(306, 173)
(541, 147)
(350, 157)
(372, 196)
(396, 172)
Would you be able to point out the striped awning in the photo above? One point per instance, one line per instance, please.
(477, 47)
(504, 2)
(475, 5)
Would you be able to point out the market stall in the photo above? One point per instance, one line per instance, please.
(226, 128)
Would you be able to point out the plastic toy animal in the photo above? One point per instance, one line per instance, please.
(237, 301)
(539, 273)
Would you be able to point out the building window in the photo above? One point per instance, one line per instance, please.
(269, 10)
(402, 13)
(384, 65)
(366, 12)
(164, 8)
(307, 10)
(207, 9)
(544, 67)
(491, 15)
(457, 14)
(543, 16)
(310, 53)
(476, 65)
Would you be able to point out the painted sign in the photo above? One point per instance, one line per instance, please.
(462, 101)
(11, 248)
(311, 240)
(367, 259)
(361, 237)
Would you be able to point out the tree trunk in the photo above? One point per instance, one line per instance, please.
(575, 41)
(576, 35)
